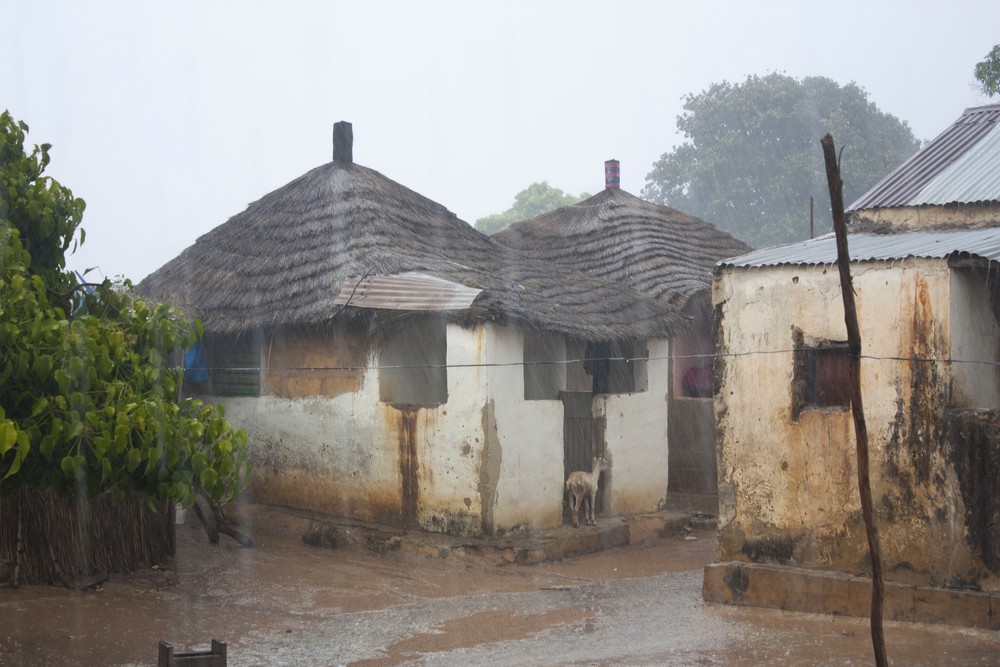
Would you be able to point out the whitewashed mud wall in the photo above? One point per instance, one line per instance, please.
(636, 440)
(788, 490)
(487, 461)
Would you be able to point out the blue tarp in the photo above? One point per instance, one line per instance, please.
(195, 364)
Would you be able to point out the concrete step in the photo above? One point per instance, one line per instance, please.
(553, 544)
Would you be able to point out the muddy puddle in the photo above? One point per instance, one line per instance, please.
(369, 603)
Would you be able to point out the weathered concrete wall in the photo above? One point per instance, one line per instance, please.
(331, 455)
(636, 440)
(788, 490)
(975, 440)
(905, 218)
(303, 364)
(518, 442)
(826, 592)
(485, 461)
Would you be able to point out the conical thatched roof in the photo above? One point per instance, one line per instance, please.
(615, 236)
(284, 259)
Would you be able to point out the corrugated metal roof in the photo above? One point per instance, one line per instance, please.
(974, 177)
(959, 166)
(405, 291)
(984, 243)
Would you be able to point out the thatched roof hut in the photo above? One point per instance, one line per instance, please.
(284, 260)
(616, 236)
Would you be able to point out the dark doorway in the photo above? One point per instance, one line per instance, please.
(583, 438)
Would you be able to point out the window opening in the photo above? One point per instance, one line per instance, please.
(692, 351)
(617, 367)
(821, 376)
(544, 374)
(413, 364)
(829, 377)
(234, 363)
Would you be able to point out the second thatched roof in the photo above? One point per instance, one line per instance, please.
(284, 260)
(659, 251)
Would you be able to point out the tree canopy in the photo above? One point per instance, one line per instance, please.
(751, 158)
(89, 398)
(987, 73)
(536, 199)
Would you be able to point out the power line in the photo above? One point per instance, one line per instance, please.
(567, 362)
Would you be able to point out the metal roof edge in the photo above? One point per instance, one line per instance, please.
(866, 246)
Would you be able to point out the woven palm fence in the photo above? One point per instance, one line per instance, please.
(77, 543)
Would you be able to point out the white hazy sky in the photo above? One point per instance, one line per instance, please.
(170, 117)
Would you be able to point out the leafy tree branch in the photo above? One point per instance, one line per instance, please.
(534, 200)
(987, 73)
(88, 379)
(748, 163)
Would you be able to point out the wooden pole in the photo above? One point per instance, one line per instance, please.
(857, 408)
(812, 233)
(19, 540)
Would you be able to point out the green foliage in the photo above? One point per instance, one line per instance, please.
(47, 214)
(987, 73)
(536, 199)
(88, 396)
(752, 158)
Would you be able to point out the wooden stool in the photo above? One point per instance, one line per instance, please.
(216, 657)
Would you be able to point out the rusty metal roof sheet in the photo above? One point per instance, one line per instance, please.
(976, 243)
(961, 165)
(405, 291)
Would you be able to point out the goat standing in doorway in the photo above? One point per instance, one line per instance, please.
(582, 488)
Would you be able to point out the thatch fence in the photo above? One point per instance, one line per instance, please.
(85, 541)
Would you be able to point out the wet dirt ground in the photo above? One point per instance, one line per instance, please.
(285, 603)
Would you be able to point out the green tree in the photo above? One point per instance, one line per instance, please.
(751, 158)
(88, 393)
(536, 199)
(987, 73)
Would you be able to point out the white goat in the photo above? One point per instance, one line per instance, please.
(582, 488)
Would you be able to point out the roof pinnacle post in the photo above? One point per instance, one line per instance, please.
(343, 142)
(612, 175)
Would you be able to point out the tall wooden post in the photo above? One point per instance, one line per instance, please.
(812, 231)
(857, 408)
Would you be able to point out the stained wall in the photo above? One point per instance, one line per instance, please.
(485, 461)
(787, 485)
(636, 439)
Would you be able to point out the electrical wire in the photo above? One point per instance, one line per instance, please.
(567, 362)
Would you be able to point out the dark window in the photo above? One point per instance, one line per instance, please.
(617, 367)
(544, 372)
(413, 364)
(234, 365)
(821, 377)
(829, 377)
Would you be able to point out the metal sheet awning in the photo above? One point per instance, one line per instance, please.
(405, 291)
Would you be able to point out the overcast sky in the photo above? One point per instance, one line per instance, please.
(170, 117)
